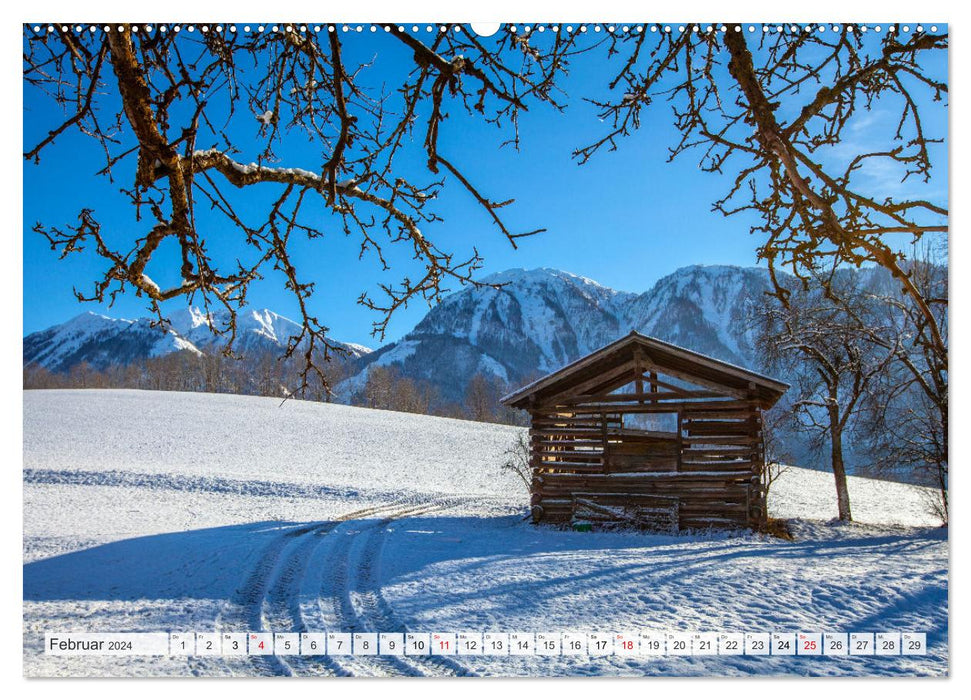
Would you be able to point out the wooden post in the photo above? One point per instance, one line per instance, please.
(606, 449)
(680, 445)
(759, 454)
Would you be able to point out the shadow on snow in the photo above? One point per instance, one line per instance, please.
(215, 564)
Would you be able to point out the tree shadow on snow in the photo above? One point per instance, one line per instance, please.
(655, 565)
(217, 563)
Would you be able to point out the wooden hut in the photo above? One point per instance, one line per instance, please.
(645, 433)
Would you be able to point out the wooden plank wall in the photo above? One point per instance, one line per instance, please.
(727, 443)
(712, 465)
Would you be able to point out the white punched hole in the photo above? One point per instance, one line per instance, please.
(486, 28)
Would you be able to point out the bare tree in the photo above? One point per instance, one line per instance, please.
(82, 375)
(482, 397)
(378, 389)
(388, 389)
(517, 460)
(776, 423)
(39, 377)
(411, 396)
(831, 357)
(777, 114)
(906, 417)
(159, 103)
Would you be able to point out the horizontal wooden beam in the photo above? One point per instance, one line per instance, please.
(669, 407)
(636, 397)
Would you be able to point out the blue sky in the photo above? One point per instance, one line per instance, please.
(625, 219)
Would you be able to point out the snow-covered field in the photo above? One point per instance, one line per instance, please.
(148, 511)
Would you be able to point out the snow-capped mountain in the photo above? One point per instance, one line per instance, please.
(710, 309)
(102, 341)
(257, 330)
(541, 319)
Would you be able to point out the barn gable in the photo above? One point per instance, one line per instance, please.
(635, 352)
(644, 432)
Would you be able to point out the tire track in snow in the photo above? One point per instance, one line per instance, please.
(255, 588)
(357, 615)
(199, 484)
(279, 609)
(327, 600)
(278, 579)
(373, 609)
(272, 577)
(319, 577)
(276, 564)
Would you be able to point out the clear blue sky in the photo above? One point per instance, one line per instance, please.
(624, 219)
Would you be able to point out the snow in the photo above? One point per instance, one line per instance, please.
(184, 320)
(150, 283)
(263, 323)
(401, 352)
(357, 349)
(489, 365)
(542, 319)
(148, 511)
(299, 172)
(834, 579)
(716, 292)
(238, 438)
(398, 353)
(57, 344)
(872, 501)
(71, 334)
(255, 328)
(266, 119)
(172, 342)
(551, 302)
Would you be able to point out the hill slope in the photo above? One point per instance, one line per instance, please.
(247, 439)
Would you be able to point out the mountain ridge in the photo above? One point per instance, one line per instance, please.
(103, 341)
(542, 319)
(536, 321)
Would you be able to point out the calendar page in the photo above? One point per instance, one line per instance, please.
(512, 349)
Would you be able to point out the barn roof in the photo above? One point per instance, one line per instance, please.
(659, 356)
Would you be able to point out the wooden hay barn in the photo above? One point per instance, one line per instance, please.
(648, 434)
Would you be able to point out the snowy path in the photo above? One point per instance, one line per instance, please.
(321, 576)
(342, 591)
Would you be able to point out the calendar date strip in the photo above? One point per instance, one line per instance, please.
(641, 644)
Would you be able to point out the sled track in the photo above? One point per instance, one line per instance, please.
(324, 576)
